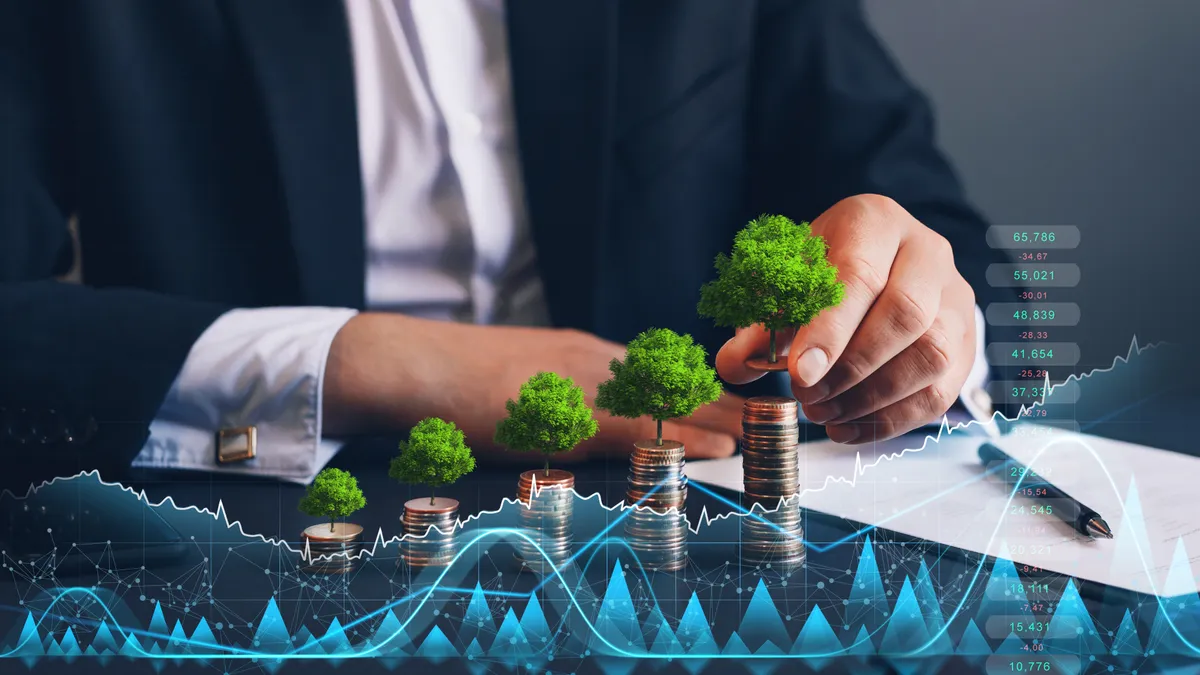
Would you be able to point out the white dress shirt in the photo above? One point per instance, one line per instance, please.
(446, 232)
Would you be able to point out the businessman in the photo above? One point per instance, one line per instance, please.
(330, 218)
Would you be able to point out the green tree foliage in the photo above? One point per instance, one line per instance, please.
(664, 375)
(777, 276)
(333, 494)
(435, 454)
(548, 416)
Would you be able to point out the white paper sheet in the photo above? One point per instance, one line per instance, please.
(940, 493)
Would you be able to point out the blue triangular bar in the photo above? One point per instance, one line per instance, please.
(761, 622)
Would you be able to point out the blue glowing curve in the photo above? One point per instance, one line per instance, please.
(898, 636)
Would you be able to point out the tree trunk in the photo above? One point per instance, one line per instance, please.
(547, 467)
(659, 440)
(432, 496)
(773, 357)
(331, 524)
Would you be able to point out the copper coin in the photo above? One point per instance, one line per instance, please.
(790, 422)
(770, 472)
(753, 530)
(782, 463)
(412, 524)
(769, 500)
(783, 410)
(547, 510)
(651, 445)
(552, 493)
(770, 445)
(646, 537)
(763, 365)
(639, 497)
(556, 482)
(787, 445)
(779, 419)
(660, 519)
(642, 514)
(780, 525)
(784, 487)
(772, 411)
(770, 406)
(555, 478)
(770, 402)
(678, 505)
(439, 505)
(340, 532)
(772, 456)
(773, 428)
(643, 476)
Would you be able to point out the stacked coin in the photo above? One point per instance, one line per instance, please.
(771, 534)
(656, 528)
(331, 550)
(429, 531)
(548, 502)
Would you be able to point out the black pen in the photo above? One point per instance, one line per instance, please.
(1071, 510)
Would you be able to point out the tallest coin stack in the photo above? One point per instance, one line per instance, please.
(771, 535)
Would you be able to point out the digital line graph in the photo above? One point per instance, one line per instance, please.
(603, 624)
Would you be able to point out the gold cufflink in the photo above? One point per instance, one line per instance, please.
(237, 444)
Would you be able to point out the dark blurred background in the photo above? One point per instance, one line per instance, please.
(1076, 112)
(1079, 112)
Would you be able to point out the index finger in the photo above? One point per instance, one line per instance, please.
(746, 343)
(863, 253)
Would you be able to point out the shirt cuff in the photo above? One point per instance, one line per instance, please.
(261, 367)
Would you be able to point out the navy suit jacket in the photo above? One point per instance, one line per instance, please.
(209, 151)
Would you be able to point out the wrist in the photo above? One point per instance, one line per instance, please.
(364, 373)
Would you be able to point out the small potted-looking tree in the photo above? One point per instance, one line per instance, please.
(334, 494)
(777, 276)
(664, 376)
(548, 416)
(435, 454)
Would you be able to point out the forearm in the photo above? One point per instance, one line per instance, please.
(386, 372)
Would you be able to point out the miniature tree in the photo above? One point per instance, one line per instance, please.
(548, 416)
(333, 494)
(777, 276)
(664, 375)
(435, 454)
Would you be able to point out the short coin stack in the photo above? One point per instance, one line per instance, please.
(771, 474)
(423, 545)
(658, 533)
(331, 550)
(547, 505)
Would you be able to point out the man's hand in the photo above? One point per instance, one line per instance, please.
(386, 372)
(895, 353)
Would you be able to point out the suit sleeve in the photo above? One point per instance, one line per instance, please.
(833, 116)
(72, 358)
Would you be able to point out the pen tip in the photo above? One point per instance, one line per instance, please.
(1098, 528)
